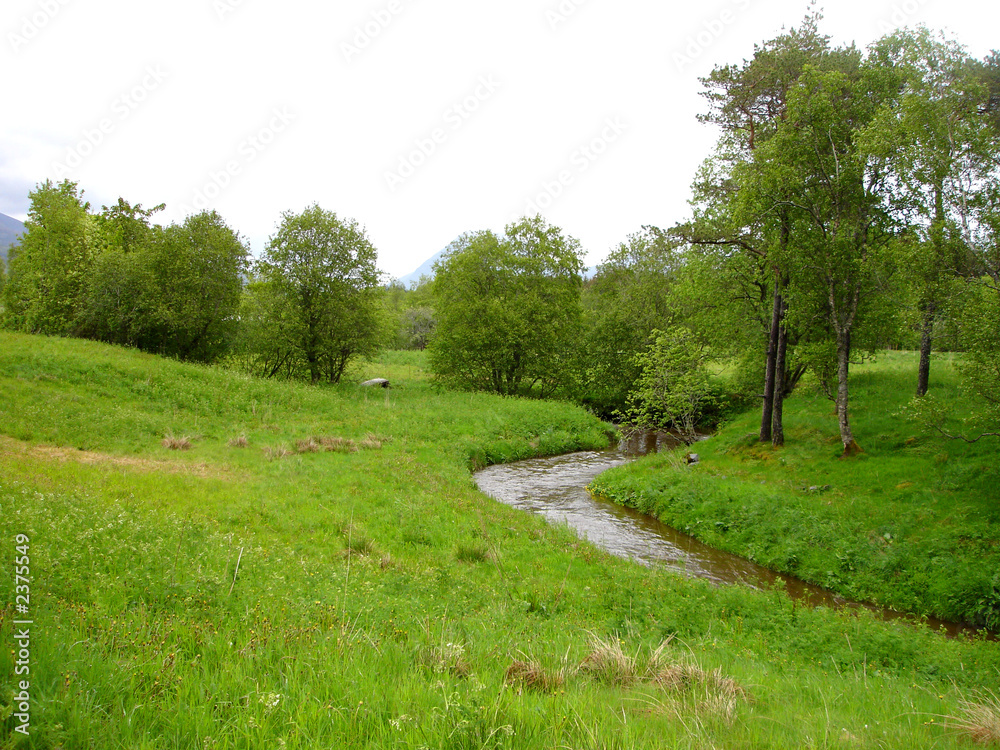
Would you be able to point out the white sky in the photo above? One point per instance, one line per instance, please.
(583, 110)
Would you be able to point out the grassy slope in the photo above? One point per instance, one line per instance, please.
(913, 523)
(213, 598)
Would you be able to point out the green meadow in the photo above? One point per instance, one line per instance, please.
(218, 561)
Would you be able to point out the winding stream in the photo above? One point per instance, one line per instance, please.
(555, 488)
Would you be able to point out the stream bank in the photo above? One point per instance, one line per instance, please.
(556, 488)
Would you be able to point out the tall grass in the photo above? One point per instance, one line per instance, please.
(210, 598)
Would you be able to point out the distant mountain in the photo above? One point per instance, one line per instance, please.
(10, 230)
(427, 269)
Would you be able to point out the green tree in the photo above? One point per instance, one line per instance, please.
(268, 342)
(929, 135)
(48, 273)
(832, 193)
(673, 389)
(198, 269)
(508, 309)
(318, 277)
(412, 313)
(625, 302)
(121, 285)
(740, 239)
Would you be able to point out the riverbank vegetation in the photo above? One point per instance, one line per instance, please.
(317, 569)
(912, 524)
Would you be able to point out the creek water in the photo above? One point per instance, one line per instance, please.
(556, 488)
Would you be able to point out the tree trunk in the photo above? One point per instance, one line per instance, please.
(930, 307)
(851, 448)
(926, 341)
(772, 352)
(777, 419)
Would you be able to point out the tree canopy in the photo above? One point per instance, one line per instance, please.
(508, 309)
(314, 302)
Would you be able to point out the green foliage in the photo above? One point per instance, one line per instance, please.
(47, 278)
(981, 341)
(198, 268)
(412, 314)
(673, 391)
(314, 303)
(508, 310)
(173, 290)
(122, 283)
(978, 415)
(114, 278)
(623, 304)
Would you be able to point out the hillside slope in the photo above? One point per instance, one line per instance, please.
(316, 569)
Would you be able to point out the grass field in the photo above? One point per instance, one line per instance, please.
(222, 562)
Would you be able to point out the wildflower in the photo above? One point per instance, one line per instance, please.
(270, 701)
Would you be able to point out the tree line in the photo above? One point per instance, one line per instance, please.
(308, 305)
(852, 202)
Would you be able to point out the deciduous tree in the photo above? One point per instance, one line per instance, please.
(626, 301)
(316, 302)
(508, 309)
(47, 276)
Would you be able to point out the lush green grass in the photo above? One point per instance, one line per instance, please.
(913, 523)
(239, 597)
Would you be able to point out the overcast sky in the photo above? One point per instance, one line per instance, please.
(419, 118)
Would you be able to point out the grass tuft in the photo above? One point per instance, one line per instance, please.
(274, 452)
(357, 542)
(240, 441)
(372, 442)
(171, 442)
(476, 552)
(531, 675)
(336, 444)
(979, 719)
(310, 445)
(608, 662)
(446, 658)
